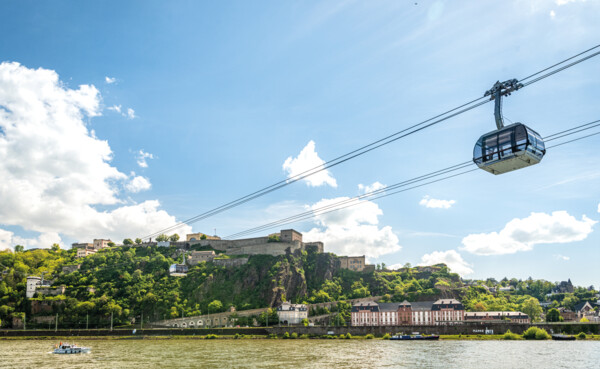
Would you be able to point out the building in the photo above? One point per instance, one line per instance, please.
(567, 315)
(443, 311)
(584, 309)
(83, 246)
(33, 283)
(81, 253)
(292, 313)
(200, 236)
(287, 240)
(356, 263)
(497, 316)
(101, 244)
(196, 257)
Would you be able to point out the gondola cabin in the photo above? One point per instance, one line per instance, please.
(512, 147)
(178, 270)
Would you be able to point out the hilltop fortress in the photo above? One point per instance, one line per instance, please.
(274, 244)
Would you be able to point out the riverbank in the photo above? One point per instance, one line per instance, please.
(490, 337)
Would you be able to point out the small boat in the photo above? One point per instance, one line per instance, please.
(65, 348)
(563, 337)
(415, 337)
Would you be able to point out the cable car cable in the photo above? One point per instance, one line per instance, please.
(559, 63)
(384, 191)
(367, 148)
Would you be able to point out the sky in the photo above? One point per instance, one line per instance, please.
(118, 119)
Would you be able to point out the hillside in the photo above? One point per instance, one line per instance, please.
(130, 281)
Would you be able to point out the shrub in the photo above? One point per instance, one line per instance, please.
(529, 334)
(541, 334)
(386, 336)
(581, 336)
(304, 336)
(348, 336)
(237, 335)
(342, 336)
(369, 336)
(294, 335)
(510, 335)
(286, 335)
(211, 336)
(273, 336)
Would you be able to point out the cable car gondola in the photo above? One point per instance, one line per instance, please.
(507, 148)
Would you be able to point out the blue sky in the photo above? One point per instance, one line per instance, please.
(219, 95)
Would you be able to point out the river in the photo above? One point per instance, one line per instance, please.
(247, 353)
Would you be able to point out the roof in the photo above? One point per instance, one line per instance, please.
(388, 306)
(581, 305)
(422, 305)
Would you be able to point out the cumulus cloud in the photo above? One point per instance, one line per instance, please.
(598, 208)
(137, 184)
(142, 157)
(8, 240)
(110, 80)
(428, 202)
(353, 231)
(562, 257)
(116, 108)
(565, 2)
(307, 160)
(128, 113)
(552, 14)
(451, 258)
(370, 188)
(55, 172)
(524, 234)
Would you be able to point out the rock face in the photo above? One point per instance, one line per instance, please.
(264, 280)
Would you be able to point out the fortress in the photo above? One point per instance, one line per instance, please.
(274, 244)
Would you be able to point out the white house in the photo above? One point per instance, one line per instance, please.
(292, 313)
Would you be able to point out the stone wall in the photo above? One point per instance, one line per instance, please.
(230, 263)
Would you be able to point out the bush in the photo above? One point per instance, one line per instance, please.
(294, 335)
(535, 333)
(342, 336)
(542, 335)
(348, 336)
(369, 336)
(237, 335)
(304, 336)
(581, 336)
(273, 336)
(211, 336)
(510, 335)
(286, 335)
(386, 336)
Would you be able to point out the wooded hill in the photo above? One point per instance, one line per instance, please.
(129, 281)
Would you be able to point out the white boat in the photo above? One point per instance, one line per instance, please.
(65, 348)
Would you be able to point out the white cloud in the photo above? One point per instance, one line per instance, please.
(562, 257)
(307, 160)
(524, 234)
(451, 258)
(129, 113)
(54, 170)
(598, 208)
(110, 80)
(565, 2)
(8, 240)
(116, 108)
(371, 188)
(435, 203)
(137, 184)
(141, 158)
(353, 231)
(552, 14)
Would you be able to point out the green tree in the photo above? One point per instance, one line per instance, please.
(55, 247)
(532, 308)
(127, 241)
(162, 238)
(553, 316)
(111, 244)
(215, 306)
(19, 248)
(138, 241)
(570, 301)
(174, 237)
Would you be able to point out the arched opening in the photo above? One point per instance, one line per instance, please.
(200, 323)
(175, 326)
(191, 324)
(183, 325)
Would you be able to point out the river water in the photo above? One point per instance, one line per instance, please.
(189, 353)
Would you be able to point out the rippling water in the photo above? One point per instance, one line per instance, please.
(187, 353)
